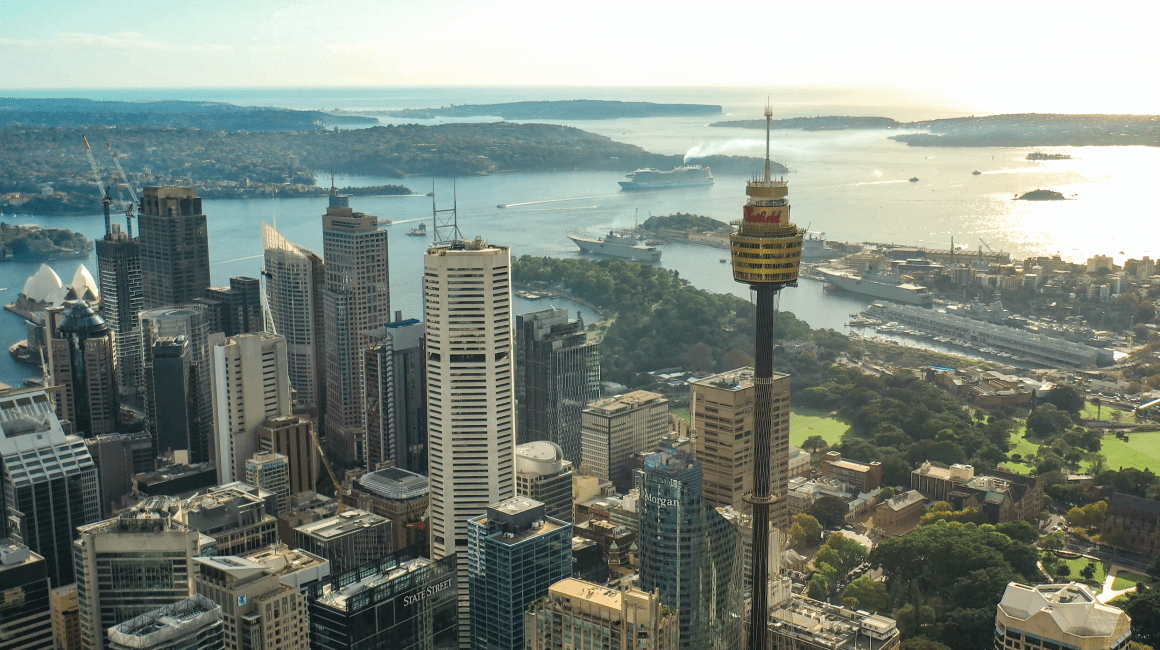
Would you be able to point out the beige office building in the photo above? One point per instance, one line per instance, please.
(579, 614)
(614, 428)
(294, 284)
(470, 392)
(66, 622)
(251, 383)
(260, 612)
(293, 437)
(1059, 615)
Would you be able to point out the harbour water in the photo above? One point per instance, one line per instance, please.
(851, 185)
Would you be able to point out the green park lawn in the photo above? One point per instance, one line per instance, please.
(804, 423)
(1141, 452)
(1127, 580)
(1106, 413)
(681, 412)
(1078, 565)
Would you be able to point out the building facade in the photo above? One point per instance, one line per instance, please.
(348, 540)
(357, 299)
(899, 515)
(259, 611)
(251, 383)
(239, 518)
(544, 475)
(25, 614)
(557, 375)
(82, 361)
(517, 552)
(270, 471)
(1058, 615)
(50, 483)
(398, 602)
(396, 389)
(236, 309)
(66, 622)
(470, 409)
(189, 321)
(399, 495)
(808, 624)
(1138, 519)
(131, 565)
(861, 477)
(293, 437)
(689, 552)
(119, 276)
(615, 428)
(174, 247)
(295, 282)
(579, 614)
(119, 457)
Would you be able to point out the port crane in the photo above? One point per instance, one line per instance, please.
(131, 209)
(106, 200)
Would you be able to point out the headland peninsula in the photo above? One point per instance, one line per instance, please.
(576, 109)
(39, 160)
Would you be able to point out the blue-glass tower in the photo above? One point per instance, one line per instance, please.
(689, 552)
(515, 552)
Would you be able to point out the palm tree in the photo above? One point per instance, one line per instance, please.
(1098, 403)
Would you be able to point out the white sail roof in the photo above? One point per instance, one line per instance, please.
(42, 284)
(84, 286)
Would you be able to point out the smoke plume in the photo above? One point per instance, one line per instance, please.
(733, 147)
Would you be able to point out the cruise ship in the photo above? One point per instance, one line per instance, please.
(654, 179)
(879, 286)
(615, 245)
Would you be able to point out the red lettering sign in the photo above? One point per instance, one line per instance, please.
(755, 214)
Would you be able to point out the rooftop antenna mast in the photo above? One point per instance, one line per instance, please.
(446, 220)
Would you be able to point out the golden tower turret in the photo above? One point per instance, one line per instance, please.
(767, 247)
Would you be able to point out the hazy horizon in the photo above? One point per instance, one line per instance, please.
(1009, 58)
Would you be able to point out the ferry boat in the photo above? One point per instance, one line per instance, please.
(421, 231)
(655, 179)
(616, 245)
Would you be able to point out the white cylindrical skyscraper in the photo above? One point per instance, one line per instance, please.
(470, 411)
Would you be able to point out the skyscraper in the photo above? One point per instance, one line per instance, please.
(50, 483)
(721, 406)
(517, 552)
(293, 437)
(173, 375)
(357, 299)
(261, 613)
(250, 385)
(119, 275)
(470, 434)
(689, 552)
(25, 616)
(119, 457)
(579, 614)
(270, 471)
(615, 428)
(236, 309)
(294, 287)
(174, 247)
(82, 359)
(557, 375)
(132, 564)
(188, 321)
(396, 389)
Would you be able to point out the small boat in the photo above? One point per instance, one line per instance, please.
(976, 173)
(914, 179)
(501, 205)
(421, 231)
(724, 260)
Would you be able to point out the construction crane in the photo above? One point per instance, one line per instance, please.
(130, 210)
(988, 246)
(106, 200)
(339, 491)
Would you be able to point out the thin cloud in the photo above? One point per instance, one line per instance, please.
(212, 47)
(118, 41)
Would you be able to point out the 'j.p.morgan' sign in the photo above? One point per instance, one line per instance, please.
(421, 594)
(660, 501)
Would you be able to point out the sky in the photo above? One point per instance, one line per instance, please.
(1079, 57)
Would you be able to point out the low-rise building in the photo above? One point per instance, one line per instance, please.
(237, 516)
(1058, 616)
(399, 495)
(261, 612)
(543, 474)
(861, 477)
(349, 540)
(293, 566)
(1001, 496)
(305, 507)
(899, 514)
(936, 483)
(1138, 519)
(807, 624)
(579, 614)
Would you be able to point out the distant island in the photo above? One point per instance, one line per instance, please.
(831, 123)
(576, 109)
(1035, 130)
(684, 222)
(1039, 155)
(32, 243)
(1041, 195)
(168, 113)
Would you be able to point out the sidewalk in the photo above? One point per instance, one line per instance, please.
(1107, 594)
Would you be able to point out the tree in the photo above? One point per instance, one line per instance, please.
(814, 444)
(819, 588)
(865, 593)
(1053, 542)
(1088, 572)
(829, 511)
(1047, 421)
(1144, 608)
(1066, 398)
(1020, 531)
(887, 493)
(805, 532)
(1061, 569)
(735, 358)
(923, 643)
(1154, 569)
(1099, 403)
(699, 357)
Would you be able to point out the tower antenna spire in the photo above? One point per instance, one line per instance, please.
(768, 121)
